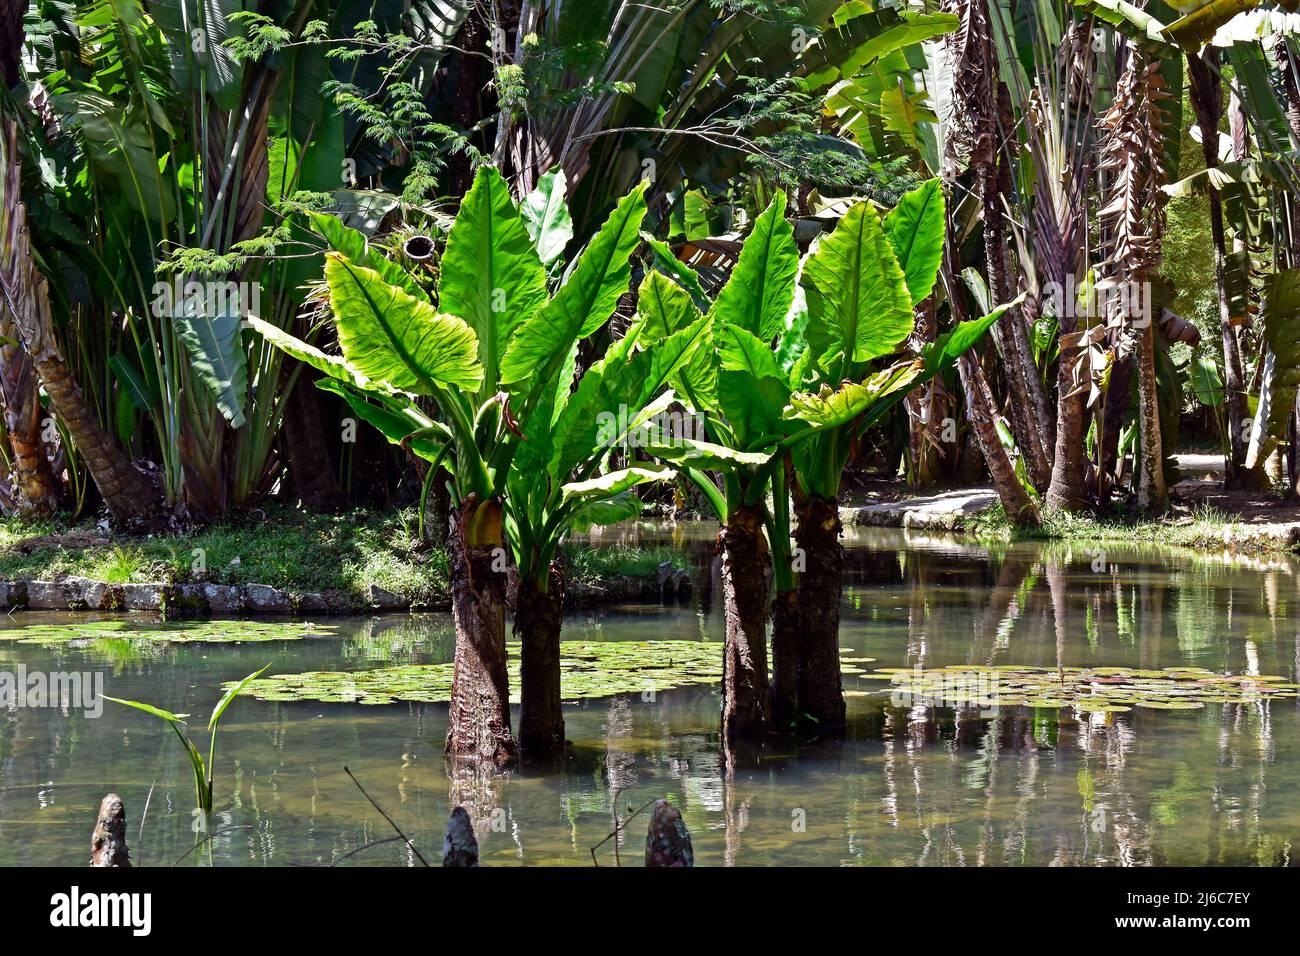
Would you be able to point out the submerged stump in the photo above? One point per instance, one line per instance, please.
(667, 843)
(459, 846)
(108, 844)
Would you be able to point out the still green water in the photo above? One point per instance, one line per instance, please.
(908, 786)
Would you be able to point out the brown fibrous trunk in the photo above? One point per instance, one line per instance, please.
(746, 566)
(821, 696)
(538, 618)
(478, 723)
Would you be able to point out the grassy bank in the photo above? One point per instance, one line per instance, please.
(1201, 528)
(281, 547)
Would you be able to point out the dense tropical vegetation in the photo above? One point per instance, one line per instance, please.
(565, 260)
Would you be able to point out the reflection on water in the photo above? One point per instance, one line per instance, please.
(908, 786)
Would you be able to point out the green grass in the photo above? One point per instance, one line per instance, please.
(1205, 528)
(291, 550)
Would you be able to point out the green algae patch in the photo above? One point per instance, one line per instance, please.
(588, 669)
(1104, 690)
(172, 632)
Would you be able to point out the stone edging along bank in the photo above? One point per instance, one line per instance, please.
(199, 600)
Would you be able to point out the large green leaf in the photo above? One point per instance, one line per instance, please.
(332, 365)
(831, 408)
(584, 302)
(356, 247)
(916, 231)
(944, 351)
(694, 453)
(665, 308)
(398, 427)
(752, 389)
(216, 353)
(856, 42)
(858, 299)
(593, 511)
(758, 294)
(490, 274)
(546, 216)
(614, 482)
(392, 337)
(620, 386)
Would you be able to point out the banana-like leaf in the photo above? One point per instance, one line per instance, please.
(332, 365)
(490, 275)
(615, 482)
(752, 390)
(666, 308)
(915, 228)
(398, 427)
(619, 386)
(844, 49)
(1195, 29)
(758, 294)
(1281, 380)
(944, 351)
(694, 453)
(357, 248)
(583, 303)
(546, 216)
(1207, 383)
(600, 511)
(1135, 23)
(831, 408)
(858, 299)
(216, 350)
(392, 337)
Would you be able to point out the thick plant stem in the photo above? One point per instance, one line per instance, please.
(785, 660)
(980, 412)
(131, 498)
(36, 491)
(1207, 102)
(821, 696)
(478, 723)
(538, 618)
(1068, 488)
(1152, 495)
(745, 573)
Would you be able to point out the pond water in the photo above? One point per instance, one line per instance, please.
(908, 785)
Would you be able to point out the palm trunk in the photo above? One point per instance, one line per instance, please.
(982, 415)
(1207, 101)
(976, 133)
(1152, 495)
(478, 723)
(131, 498)
(1068, 490)
(923, 407)
(538, 619)
(821, 696)
(981, 409)
(745, 573)
(36, 492)
(785, 660)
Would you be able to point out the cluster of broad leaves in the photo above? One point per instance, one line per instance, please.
(480, 377)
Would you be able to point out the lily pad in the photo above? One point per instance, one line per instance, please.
(588, 669)
(174, 632)
(1087, 690)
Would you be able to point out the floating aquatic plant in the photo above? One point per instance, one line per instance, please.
(588, 669)
(175, 632)
(1086, 689)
